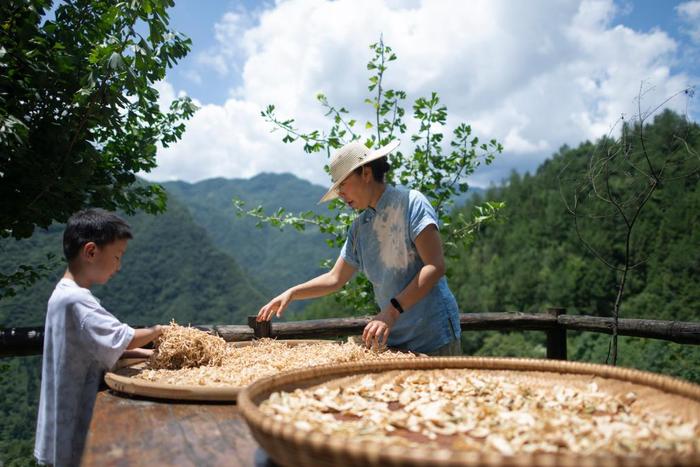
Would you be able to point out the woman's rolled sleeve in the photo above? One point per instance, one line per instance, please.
(421, 214)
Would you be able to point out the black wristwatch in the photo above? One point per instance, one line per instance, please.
(396, 305)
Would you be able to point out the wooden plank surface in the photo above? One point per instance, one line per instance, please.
(139, 432)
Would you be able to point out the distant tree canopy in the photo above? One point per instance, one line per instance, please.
(79, 114)
(537, 260)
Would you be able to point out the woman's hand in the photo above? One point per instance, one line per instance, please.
(319, 286)
(275, 306)
(377, 331)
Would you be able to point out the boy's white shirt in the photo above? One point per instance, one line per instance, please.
(81, 340)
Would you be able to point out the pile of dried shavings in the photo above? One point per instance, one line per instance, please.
(186, 347)
(467, 410)
(188, 356)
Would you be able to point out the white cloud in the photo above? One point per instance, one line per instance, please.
(228, 34)
(689, 12)
(166, 94)
(535, 75)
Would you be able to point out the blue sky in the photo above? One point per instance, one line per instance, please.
(646, 15)
(535, 75)
(197, 19)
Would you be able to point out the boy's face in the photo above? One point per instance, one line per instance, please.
(106, 260)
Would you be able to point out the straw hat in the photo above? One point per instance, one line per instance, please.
(350, 157)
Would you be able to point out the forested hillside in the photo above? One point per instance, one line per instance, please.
(275, 259)
(535, 258)
(171, 270)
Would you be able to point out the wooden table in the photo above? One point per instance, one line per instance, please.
(128, 431)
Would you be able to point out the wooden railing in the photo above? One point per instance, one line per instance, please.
(554, 322)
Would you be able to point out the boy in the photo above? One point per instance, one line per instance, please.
(81, 338)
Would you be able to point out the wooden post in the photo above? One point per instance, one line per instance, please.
(260, 328)
(556, 337)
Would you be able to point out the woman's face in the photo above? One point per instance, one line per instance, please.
(354, 189)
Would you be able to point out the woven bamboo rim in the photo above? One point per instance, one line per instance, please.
(290, 447)
(121, 380)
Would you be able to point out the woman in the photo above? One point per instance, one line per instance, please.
(395, 242)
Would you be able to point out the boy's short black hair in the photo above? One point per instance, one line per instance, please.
(93, 225)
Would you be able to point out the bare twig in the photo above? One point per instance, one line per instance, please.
(614, 178)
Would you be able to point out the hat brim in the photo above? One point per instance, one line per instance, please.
(378, 154)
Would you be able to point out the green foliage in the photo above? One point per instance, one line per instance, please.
(273, 258)
(25, 275)
(79, 115)
(646, 354)
(429, 169)
(171, 270)
(18, 408)
(621, 179)
(328, 307)
(536, 260)
(519, 344)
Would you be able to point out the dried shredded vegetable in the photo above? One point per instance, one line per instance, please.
(186, 347)
(188, 356)
(469, 411)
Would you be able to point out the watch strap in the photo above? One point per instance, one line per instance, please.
(396, 305)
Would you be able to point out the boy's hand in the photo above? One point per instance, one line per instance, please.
(158, 330)
(145, 335)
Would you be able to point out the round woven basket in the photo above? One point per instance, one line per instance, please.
(290, 447)
(122, 380)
